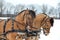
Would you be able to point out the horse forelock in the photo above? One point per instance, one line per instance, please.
(51, 21)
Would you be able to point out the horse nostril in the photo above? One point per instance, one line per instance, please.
(46, 34)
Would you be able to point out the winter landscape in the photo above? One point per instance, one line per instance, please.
(10, 8)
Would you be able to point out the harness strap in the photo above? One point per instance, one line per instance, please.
(43, 19)
(41, 22)
(12, 24)
(13, 31)
(19, 22)
(4, 27)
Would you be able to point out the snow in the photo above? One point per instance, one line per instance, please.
(4, 17)
(54, 32)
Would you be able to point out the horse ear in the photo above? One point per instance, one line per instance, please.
(51, 21)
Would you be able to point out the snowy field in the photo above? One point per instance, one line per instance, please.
(54, 32)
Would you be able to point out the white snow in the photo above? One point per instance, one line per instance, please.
(54, 32)
(4, 17)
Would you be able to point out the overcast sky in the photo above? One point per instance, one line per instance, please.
(39, 2)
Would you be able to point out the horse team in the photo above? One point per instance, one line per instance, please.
(26, 25)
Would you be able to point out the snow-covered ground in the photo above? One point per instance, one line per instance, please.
(54, 32)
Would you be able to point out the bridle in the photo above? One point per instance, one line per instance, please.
(43, 22)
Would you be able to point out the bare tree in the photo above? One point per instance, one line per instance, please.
(18, 8)
(32, 7)
(7, 9)
(51, 10)
(44, 8)
(59, 9)
(1, 6)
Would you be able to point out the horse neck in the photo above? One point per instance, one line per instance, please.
(19, 18)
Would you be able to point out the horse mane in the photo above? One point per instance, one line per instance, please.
(44, 14)
(21, 12)
(51, 21)
(32, 13)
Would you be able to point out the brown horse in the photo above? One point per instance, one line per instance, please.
(21, 22)
(42, 21)
(48, 23)
(12, 30)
